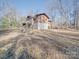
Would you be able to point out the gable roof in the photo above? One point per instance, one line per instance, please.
(41, 14)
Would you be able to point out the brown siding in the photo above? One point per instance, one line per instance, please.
(42, 19)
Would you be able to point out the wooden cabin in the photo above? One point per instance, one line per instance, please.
(41, 21)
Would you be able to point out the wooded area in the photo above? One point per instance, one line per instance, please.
(68, 18)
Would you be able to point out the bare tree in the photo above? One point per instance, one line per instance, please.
(57, 5)
(76, 14)
(4, 5)
(64, 13)
(52, 7)
(9, 12)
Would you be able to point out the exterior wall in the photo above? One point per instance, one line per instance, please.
(41, 22)
(41, 19)
(41, 26)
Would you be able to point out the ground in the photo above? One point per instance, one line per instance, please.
(39, 44)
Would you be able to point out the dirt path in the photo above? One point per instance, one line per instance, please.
(9, 36)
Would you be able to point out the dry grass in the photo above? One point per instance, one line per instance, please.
(36, 45)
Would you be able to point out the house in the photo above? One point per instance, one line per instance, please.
(40, 21)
